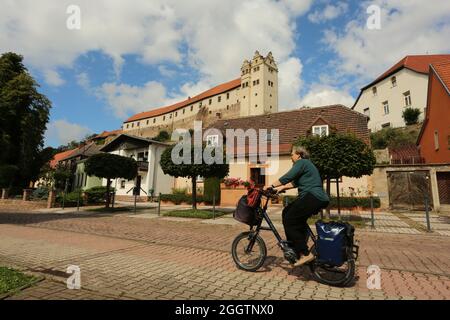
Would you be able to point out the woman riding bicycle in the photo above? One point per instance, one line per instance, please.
(311, 199)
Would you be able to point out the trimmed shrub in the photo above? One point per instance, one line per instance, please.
(346, 202)
(179, 190)
(96, 195)
(70, 200)
(179, 198)
(39, 194)
(411, 115)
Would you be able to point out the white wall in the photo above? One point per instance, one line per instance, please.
(407, 80)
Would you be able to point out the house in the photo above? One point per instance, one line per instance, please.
(403, 85)
(434, 138)
(291, 126)
(255, 92)
(150, 177)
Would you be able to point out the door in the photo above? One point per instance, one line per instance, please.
(408, 189)
(443, 180)
(257, 176)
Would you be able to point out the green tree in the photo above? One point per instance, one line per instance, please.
(111, 166)
(24, 114)
(162, 136)
(411, 115)
(193, 170)
(339, 155)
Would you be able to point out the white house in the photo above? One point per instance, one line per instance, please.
(404, 85)
(147, 153)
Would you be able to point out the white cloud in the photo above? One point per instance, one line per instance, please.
(83, 81)
(213, 37)
(407, 27)
(125, 99)
(61, 132)
(289, 83)
(53, 78)
(330, 12)
(320, 95)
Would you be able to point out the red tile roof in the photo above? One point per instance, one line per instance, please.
(60, 156)
(224, 87)
(106, 134)
(443, 71)
(298, 123)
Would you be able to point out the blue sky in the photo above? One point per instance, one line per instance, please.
(132, 56)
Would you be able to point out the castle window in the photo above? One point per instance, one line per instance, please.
(228, 107)
(176, 113)
(219, 98)
(132, 125)
(210, 101)
(164, 118)
(127, 125)
(228, 95)
(192, 108)
(201, 103)
(138, 124)
(254, 82)
(154, 120)
(170, 116)
(184, 110)
(148, 121)
(257, 81)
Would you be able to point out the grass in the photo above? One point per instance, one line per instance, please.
(190, 213)
(12, 280)
(356, 221)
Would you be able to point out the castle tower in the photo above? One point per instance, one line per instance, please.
(259, 86)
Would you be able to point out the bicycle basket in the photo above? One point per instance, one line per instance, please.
(245, 213)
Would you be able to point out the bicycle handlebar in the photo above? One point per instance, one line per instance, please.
(270, 192)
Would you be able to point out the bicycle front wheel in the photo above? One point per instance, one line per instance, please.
(249, 251)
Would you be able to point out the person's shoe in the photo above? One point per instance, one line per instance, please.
(304, 259)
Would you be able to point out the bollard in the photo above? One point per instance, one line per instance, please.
(78, 200)
(214, 206)
(371, 212)
(51, 199)
(26, 194)
(135, 199)
(159, 204)
(5, 193)
(427, 214)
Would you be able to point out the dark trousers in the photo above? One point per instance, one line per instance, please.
(295, 216)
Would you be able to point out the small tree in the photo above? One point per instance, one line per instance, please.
(111, 166)
(192, 170)
(162, 136)
(7, 174)
(339, 155)
(411, 115)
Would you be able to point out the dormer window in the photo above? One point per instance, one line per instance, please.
(320, 130)
(394, 81)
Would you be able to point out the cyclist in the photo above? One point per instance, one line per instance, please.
(311, 199)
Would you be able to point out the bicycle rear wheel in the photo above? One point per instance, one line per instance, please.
(249, 251)
(334, 275)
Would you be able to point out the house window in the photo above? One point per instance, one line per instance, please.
(394, 81)
(386, 107)
(256, 106)
(407, 96)
(436, 140)
(367, 112)
(219, 98)
(184, 111)
(132, 125)
(320, 130)
(154, 120)
(192, 108)
(386, 125)
(127, 125)
(164, 118)
(256, 175)
(269, 137)
(138, 124)
(170, 116)
(122, 184)
(228, 107)
(212, 140)
(210, 101)
(228, 95)
(176, 113)
(148, 121)
(374, 91)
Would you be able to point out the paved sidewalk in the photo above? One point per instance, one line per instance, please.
(130, 258)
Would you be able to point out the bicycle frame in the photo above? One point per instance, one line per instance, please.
(281, 243)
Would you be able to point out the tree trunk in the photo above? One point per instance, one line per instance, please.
(108, 185)
(194, 193)
(338, 198)
(329, 196)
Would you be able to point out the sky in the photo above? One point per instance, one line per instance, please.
(101, 61)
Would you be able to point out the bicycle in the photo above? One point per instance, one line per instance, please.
(255, 250)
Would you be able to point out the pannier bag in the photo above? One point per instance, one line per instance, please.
(245, 213)
(334, 241)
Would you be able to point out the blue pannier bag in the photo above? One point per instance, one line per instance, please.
(333, 241)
